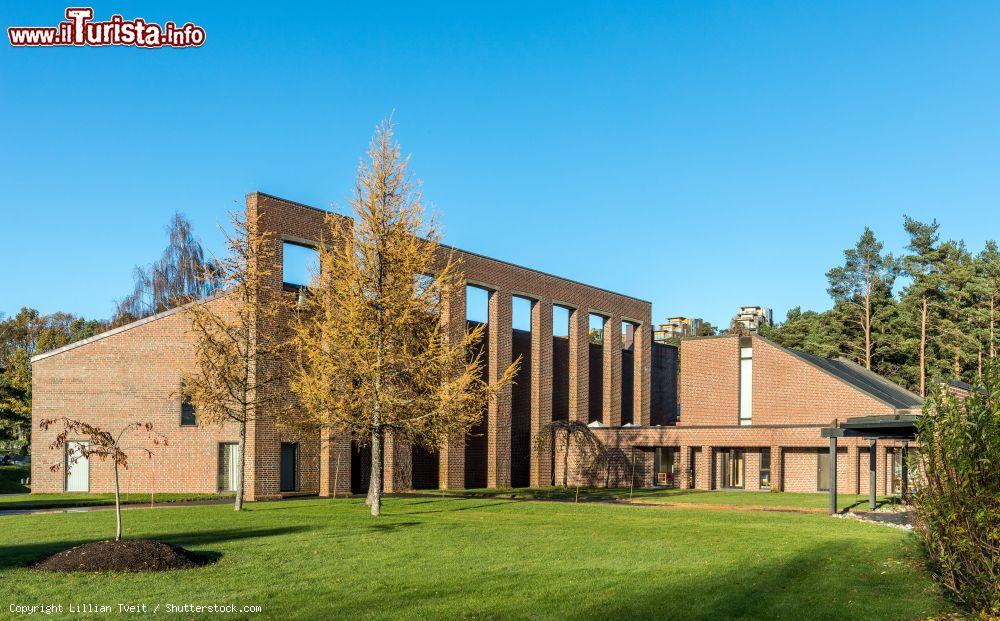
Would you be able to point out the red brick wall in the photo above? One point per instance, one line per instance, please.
(786, 389)
(131, 375)
(710, 381)
(789, 390)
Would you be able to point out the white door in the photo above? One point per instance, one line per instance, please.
(77, 468)
(229, 466)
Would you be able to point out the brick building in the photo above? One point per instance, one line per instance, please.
(750, 412)
(751, 417)
(133, 373)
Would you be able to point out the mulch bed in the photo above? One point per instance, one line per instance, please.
(131, 555)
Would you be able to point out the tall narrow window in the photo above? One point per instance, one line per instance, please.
(746, 382)
(765, 468)
(188, 416)
(732, 468)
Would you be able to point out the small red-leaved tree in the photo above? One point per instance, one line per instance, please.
(103, 445)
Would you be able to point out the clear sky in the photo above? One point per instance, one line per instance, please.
(700, 155)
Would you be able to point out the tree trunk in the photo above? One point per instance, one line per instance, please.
(375, 485)
(118, 506)
(923, 346)
(241, 450)
(868, 331)
(993, 350)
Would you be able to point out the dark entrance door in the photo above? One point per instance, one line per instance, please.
(289, 461)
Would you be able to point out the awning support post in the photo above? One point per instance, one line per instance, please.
(833, 475)
(872, 478)
(905, 473)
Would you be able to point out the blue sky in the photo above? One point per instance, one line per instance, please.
(700, 155)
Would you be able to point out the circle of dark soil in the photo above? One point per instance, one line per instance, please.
(130, 555)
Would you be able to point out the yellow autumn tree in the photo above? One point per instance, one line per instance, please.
(240, 374)
(373, 354)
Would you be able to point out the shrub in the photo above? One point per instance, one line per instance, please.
(958, 505)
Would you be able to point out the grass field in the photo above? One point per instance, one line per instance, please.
(487, 558)
(789, 500)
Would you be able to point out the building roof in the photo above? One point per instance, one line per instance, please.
(864, 380)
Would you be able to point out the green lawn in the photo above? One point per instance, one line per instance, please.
(10, 479)
(484, 558)
(791, 500)
(73, 499)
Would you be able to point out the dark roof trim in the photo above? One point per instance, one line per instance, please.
(858, 378)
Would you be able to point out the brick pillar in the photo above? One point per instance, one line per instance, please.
(881, 470)
(777, 468)
(642, 365)
(451, 462)
(684, 467)
(579, 362)
(397, 474)
(334, 465)
(705, 470)
(541, 389)
(644, 470)
(499, 411)
(854, 466)
(612, 395)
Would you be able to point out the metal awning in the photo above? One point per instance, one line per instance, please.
(900, 425)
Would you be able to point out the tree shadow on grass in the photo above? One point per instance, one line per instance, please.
(21, 555)
(455, 507)
(388, 527)
(825, 581)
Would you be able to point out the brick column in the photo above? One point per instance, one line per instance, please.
(881, 470)
(644, 471)
(541, 389)
(451, 462)
(705, 471)
(499, 412)
(612, 407)
(642, 365)
(397, 474)
(854, 466)
(683, 467)
(579, 362)
(334, 465)
(777, 468)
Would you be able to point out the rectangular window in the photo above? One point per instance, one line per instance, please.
(229, 466)
(299, 263)
(732, 468)
(665, 467)
(823, 471)
(746, 385)
(188, 416)
(765, 468)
